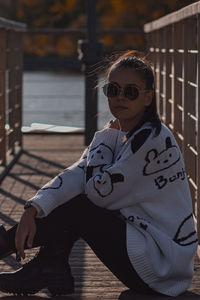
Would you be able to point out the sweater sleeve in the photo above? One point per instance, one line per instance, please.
(62, 188)
(110, 182)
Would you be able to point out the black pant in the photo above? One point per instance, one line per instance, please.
(102, 229)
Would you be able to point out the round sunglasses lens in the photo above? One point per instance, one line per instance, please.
(131, 92)
(110, 90)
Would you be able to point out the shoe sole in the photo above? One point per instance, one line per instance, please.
(54, 291)
(3, 243)
(54, 288)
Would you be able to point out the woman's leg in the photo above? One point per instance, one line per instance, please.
(48, 269)
(102, 229)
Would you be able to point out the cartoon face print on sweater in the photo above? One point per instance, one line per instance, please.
(81, 163)
(99, 158)
(157, 162)
(100, 155)
(53, 184)
(183, 237)
(104, 185)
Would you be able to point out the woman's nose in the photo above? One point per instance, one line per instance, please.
(121, 93)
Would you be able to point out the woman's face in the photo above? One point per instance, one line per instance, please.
(128, 112)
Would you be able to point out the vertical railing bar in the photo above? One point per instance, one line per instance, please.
(161, 81)
(198, 136)
(178, 42)
(19, 76)
(3, 96)
(168, 41)
(157, 69)
(172, 80)
(15, 102)
(188, 105)
(164, 46)
(11, 115)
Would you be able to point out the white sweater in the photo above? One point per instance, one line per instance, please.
(146, 181)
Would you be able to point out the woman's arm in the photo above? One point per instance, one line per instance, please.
(62, 188)
(71, 182)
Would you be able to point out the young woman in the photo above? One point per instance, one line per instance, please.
(127, 197)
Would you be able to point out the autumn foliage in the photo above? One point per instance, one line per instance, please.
(111, 14)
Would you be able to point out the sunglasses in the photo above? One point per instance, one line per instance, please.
(130, 91)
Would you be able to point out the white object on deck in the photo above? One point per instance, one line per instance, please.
(42, 128)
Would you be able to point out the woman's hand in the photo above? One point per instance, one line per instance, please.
(26, 230)
(113, 124)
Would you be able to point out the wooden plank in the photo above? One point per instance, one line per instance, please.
(182, 14)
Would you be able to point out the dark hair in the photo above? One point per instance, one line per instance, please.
(134, 59)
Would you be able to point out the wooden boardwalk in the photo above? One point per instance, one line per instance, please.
(44, 157)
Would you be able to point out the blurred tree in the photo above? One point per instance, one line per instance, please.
(132, 14)
(51, 13)
(8, 9)
(111, 14)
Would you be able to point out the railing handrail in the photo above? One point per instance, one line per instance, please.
(82, 31)
(9, 24)
(177, 16)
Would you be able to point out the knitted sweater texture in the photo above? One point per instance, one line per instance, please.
(146, 181)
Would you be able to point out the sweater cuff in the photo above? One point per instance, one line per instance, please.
(45, 204)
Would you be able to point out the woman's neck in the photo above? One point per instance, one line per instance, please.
(128, 125)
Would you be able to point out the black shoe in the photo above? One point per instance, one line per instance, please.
(5, 249)
(45, 270)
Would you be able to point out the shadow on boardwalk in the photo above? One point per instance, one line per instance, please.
(44, 157)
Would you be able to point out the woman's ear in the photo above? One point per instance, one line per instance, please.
(148, 97)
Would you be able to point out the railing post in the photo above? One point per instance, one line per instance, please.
(18, 71)
(10, 90)
(90, 52)
(178, 82)
(3, 97)
(167, 73)
(189, 103)
(198, 134)
(157, 68)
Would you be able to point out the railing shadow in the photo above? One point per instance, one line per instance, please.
(42, 159)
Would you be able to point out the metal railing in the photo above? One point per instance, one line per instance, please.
(11, 68)
(174, 45)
